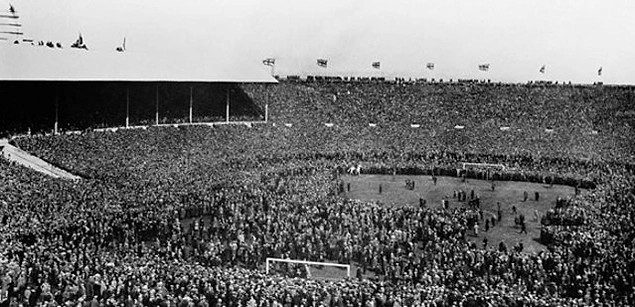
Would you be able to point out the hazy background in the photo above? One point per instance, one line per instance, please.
(572, 38)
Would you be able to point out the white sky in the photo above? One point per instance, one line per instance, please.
(573, 38)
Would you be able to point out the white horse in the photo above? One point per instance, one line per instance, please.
(354, 170)
(351, 170)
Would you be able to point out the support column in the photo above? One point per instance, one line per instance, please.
(227, 107)
(156, 115)
(57, 102)
(191, 91)
(266, 112)
(127, 107)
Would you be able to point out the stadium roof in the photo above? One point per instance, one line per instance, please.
(40, 63)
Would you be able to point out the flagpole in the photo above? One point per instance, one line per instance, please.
(381, 72)
(326, 74)
(426, 72)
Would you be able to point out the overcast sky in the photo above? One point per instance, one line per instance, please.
(572, 38)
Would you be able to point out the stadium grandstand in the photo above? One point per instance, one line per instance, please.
(129, 180)
(124, 90)
(190, 214)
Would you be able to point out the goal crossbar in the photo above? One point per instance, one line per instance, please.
(465, 164)
(346, 266)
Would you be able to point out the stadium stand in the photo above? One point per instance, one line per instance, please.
(187, 215)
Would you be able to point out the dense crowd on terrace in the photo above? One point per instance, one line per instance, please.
(585, 122)
(119, 236)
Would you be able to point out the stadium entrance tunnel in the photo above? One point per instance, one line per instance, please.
(35, 105)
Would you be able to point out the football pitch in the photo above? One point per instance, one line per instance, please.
(508, 193)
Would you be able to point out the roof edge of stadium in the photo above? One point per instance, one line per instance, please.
(35, 63)
(274, 81)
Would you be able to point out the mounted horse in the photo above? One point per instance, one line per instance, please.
(354, 170)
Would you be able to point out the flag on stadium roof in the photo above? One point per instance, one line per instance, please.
(430, 66)
(483, 67)
(542, 69)
(79, 43)
(600, 71)
(269, 61)
(376, 65)
(11, 9)
(322, 62)
(122, 48)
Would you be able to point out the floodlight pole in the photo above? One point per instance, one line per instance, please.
(227, 107)
(156, 114)
(191, 90)
(127, 107)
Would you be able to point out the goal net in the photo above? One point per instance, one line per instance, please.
(486, 169)
(307, 269)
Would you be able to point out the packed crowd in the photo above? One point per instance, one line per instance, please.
(186, 216)
(570, 121)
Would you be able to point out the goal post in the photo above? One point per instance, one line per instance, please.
(314, 263)
(483, 166)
